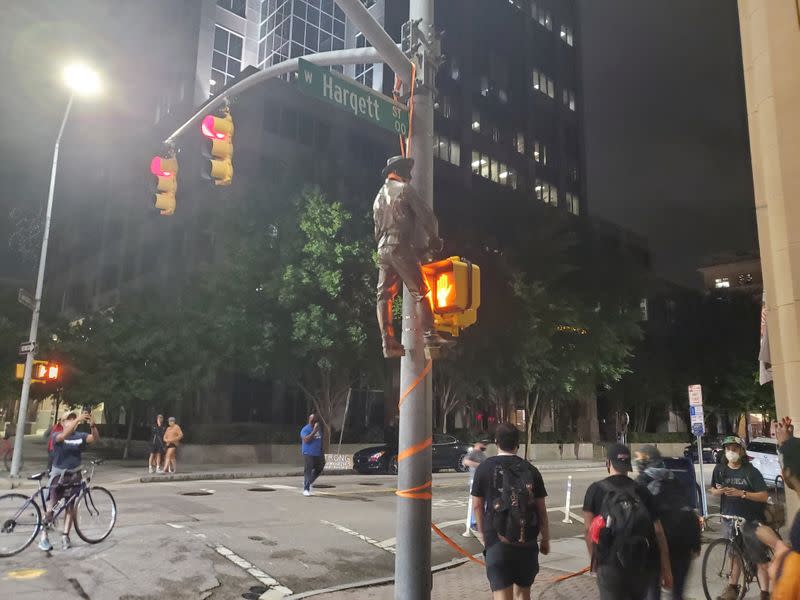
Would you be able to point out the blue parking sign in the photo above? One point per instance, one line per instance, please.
(698, 429)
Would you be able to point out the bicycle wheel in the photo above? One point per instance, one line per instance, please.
(718, 561)
(18, 525)
(96, 514)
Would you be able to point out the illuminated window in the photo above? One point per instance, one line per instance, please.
(546, 192)
(542, 16)
(476, 121)
(447, 149)
(539, 152)
(568, 96)
(566, 35)
(543, 83)
(722, 282)
(520, 142)
(573, 203)
(484, 85)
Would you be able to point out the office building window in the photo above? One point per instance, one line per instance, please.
(520, 142)
(226, 59)
(572, 173)
(447, 149)
(495, 133)
(364, 73)
(484, 85)
(293, 28)
(455, 70)
(573, 203)
(643, 312)
(566, 35)
(722, 282)
(541, 16)
(539, 152)
(445, 107)
(546, 192)
(568, 96)
(543, 83)
(368, 3)
(237, 7)
(476, 121)
(494, 170)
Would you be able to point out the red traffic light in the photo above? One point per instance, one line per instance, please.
(216, 128)
(160, 167)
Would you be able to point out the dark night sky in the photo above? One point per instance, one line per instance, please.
(666, 128)
(664, 110)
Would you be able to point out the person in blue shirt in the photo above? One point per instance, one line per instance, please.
(68, 445)
(311, 444)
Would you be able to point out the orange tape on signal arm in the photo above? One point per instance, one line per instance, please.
(417, 493)
(417, 381)
(412, 450)
(455, 546)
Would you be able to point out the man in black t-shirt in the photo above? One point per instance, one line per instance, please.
(743, 493)
(614, 581)
(510, 568)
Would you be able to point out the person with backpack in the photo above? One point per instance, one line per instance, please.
(678, 519)
(742, 493)
(508, 500)
(624, 535)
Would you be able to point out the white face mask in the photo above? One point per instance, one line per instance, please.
(732, 456)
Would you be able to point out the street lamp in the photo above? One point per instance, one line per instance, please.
(82, 81)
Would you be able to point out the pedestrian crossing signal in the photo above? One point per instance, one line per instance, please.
(455, 293)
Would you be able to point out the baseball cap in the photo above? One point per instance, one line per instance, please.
(733, 439)
(620, 457)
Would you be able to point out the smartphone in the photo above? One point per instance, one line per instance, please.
(719, 486)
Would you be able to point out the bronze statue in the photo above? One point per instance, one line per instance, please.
(406, 231)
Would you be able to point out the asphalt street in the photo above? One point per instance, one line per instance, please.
(219, 539)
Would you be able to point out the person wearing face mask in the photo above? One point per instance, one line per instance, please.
(679, 521)
(742, 493)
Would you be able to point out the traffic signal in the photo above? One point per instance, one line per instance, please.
(43, 371)
(165, 170)
(218, 148)
(455, 293)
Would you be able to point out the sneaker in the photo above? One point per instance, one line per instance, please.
(45, 545)
(65, 543)
(159, 470)
(730, 593)
(306, 492)
(150, 469)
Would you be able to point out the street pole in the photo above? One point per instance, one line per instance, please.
(412, 573)
(22, 416)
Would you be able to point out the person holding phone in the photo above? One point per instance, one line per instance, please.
(311, 446)
(172, 439)
(68, 446)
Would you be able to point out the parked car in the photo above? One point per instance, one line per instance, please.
(448, 453)
(763, 453)
(712, 450)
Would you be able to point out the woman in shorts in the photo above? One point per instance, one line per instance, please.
(157, 448)
(172, 439)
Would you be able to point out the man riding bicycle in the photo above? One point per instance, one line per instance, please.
(743, 493)
(66, 472)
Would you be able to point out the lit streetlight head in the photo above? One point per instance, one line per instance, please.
(82, 80)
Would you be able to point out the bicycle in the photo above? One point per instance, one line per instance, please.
(7, 452)
(721, 555)
(21, 517)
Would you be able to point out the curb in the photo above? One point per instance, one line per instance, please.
(236, 475)
(373, 582)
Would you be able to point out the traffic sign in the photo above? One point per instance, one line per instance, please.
(696, 419)
(698, 429)
(695, 395)
(365, 103)
(27, 347)
(24, 298)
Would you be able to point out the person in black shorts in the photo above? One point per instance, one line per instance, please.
(510, 568)
(157, 446)
(615, 581)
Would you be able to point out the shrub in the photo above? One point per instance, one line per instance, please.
(646, 437)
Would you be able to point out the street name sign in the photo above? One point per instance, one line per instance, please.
(27, 347)
(24, 298)
(365, 103)
(695, 395)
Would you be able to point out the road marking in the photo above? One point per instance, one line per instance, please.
(275, 590)
(561, 508)
(360, 536)
(277, 486)
(25, 574)
(576, 517)
(391, 542)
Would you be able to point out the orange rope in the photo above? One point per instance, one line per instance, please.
(455, 546)
(417, 493)
(415, 449)
(417, 381)
(411, 106)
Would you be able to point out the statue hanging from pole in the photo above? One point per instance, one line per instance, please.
(406, 231)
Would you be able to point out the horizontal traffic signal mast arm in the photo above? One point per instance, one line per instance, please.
(352, 56)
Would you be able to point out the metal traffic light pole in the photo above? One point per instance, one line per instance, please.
(16, 460)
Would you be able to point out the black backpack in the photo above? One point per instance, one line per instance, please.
(629, 534)
(513, 510)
